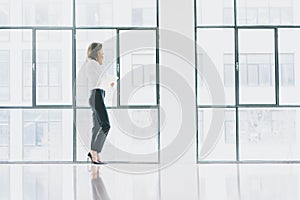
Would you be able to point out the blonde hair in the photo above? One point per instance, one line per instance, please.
(93, 49)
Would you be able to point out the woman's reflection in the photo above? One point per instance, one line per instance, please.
(98, 187)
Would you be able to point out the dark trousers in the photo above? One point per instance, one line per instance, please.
(101, 124)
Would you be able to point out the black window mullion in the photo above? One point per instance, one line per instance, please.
(74, 83)
(237, 78)
(276, 66)
(33, 67)
(118, 68)
(157, 87)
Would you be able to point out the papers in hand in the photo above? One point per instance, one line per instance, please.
(108, 79)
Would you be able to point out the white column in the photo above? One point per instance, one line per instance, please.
(178, 17)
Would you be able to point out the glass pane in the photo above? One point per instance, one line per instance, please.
(215, 12)
(134, 139)
(215, 62)
(108, 39)
(5, 182)
(116, 13)
(225, 176)
(44, 183)
(42, 12)
(4, 134)
(27, 75)
(138, 67)
(224, 148)
(35, 12)
(44, 138)
(54, 67)
(252, 75)
(256, 67)
(255, 181)
(15, 74)
(4, 13)
(269, 134)
(251, 12)
(289, 73)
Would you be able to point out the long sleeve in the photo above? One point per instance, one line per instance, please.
(97, 76)
(93, 73)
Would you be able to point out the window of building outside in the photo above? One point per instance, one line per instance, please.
(256, 70)
(142, 70)
(254, 13)
(40, 184)
(5, 182)
(42, 134)
(4, 134)
(4, 75)
(130, 13)
(263, 126)
(4, 12)
(45, 12)
(27, 75)
(287, 70)
(49, 73)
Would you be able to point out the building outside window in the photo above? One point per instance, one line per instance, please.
(4, 134)
(27, 75)
(142, 69)
(260, 15)
(287, 70)
(268, 126)
(4, 12)
(4, 75)
(256, 70)
(41, 134)
(49, 81)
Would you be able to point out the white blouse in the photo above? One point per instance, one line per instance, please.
(96, 75)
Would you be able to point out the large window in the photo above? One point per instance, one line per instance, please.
(45, 115)
(257, 65)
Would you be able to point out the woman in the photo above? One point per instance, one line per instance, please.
(98, 187)
(95, 73)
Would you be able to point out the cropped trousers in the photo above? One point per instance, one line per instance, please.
(101, 123)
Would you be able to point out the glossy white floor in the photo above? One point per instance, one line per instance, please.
(179, 181)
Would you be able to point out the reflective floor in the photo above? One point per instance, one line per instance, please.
(182, 182)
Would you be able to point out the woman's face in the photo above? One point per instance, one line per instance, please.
(100, 56)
